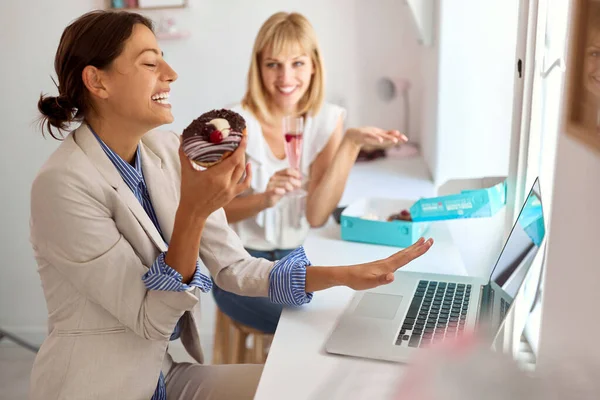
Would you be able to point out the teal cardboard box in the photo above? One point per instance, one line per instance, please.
(366, 221)
(463, 198)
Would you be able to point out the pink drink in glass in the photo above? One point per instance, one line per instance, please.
(293, 148)
(293, 129)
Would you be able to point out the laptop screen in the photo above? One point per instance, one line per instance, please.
(521, 246)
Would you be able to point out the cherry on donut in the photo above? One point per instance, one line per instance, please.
(216, 136)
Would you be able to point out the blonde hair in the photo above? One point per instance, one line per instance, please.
(284, 32)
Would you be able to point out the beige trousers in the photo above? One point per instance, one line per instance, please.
(186, 381)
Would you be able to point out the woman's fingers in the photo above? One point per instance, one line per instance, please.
(391, 136)
(383, 273)
(237, 158)
(405, 256)
(287, 186)
(295, 182)
(289, 183)
(396, 134)
(401, 137)
(376, 135)
(245, 183)
(186, 163)
(289, 172)
(241, 150)
(282, 182)
(372, 137)
(238, 171)
(282, 188)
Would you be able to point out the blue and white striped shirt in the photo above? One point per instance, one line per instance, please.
(287, 279)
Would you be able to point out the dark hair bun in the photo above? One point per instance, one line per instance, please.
(57, 112)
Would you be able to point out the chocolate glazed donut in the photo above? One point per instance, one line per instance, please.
(213, 136)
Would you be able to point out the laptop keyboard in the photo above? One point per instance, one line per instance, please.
(438, 311)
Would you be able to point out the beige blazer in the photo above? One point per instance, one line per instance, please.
(93, 241)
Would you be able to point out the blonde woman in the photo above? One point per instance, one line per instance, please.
(286, 77)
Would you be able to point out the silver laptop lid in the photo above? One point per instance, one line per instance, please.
(516, 257)
(522, 243)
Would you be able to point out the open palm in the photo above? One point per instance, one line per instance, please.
(373, 136)
(381, 272)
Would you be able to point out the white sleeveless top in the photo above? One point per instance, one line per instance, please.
(279, 227)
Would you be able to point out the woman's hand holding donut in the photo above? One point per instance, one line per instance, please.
(205, 191)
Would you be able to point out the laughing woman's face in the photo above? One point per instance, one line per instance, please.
(591, 78)
(138, 82)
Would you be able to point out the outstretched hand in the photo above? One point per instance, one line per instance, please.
(381, 272)
(373, 136)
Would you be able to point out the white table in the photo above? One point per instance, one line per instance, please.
(297, 366)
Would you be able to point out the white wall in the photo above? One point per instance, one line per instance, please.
(387, 40)
(429, 101)
(476, 49)
(361, 40)
(29, 34)
(569, 323)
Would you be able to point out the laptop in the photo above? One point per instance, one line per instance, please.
(395, 321)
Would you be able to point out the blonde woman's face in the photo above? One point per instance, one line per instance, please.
(592, 64)
(286, 78)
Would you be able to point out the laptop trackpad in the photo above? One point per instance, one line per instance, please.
(377, 305)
